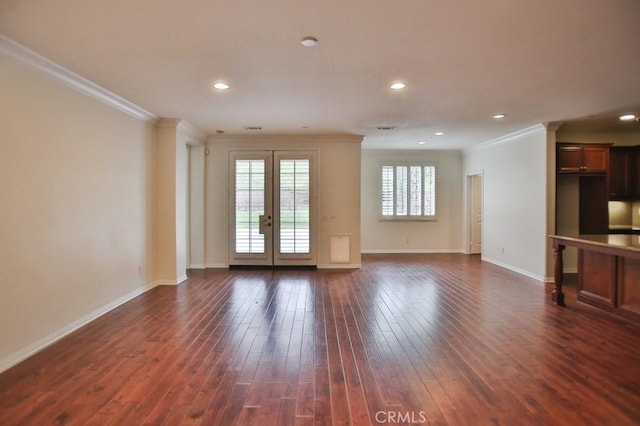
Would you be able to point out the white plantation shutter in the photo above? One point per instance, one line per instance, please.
(249, 198)
(408, 191)
(429, 176)
(294, 205)
(387, 191)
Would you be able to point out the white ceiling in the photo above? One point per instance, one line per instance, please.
(463, 60)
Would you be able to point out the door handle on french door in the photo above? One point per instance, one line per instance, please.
(264, 222)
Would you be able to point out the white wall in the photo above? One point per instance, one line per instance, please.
(514, 168)
(165, 186)
(338, 198)
(182, 198)
(75, 217)
(171, 195)
(443, 235)
(196, 207)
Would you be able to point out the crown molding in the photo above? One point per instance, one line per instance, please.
(506, 138)
(194, 135)
(192, 132)
(71, 79)
(168, 123)
(288, 137)
(553, 126)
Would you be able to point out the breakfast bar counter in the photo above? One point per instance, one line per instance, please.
(608, 272)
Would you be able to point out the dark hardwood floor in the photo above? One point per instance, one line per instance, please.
(421, 339)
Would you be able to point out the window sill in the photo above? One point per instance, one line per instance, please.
(408, 219)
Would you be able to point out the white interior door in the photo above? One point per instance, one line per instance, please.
(272, 208)
(476, 215)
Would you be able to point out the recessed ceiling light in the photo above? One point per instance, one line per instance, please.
(439, 133)
(421, 143)
(309, 41)
(628, 117)
(498, 116)
(398, 85)
(221, 85)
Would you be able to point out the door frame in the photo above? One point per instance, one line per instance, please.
(271, 256)
(469, 213)
(257, 259)
(301, 259)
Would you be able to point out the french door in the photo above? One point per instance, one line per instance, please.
(272, 208)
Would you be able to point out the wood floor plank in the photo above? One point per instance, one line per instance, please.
(430, 339)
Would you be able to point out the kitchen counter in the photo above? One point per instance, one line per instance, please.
(608, 272)
(613, 242)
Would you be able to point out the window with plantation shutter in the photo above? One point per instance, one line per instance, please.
(408, 191)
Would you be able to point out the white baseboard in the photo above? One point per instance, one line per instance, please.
(30, 350)
(520, 271)
(198, 266)
(170, 282)
(411, 251)
(217, 265)
(164, 282)
(339, 266)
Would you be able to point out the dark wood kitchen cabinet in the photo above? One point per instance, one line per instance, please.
(593, 205)
(636, 177)
(624, 173)
(576, 158)
(590, 164)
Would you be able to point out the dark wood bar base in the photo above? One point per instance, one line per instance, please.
(557, 295)
(608, 272)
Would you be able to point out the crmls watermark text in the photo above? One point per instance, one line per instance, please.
(397, 417)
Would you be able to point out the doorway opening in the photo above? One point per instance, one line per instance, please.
(474, 216)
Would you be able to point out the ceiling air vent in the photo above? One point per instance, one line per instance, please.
(253, 127)
(387, 128)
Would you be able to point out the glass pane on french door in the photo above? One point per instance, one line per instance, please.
(249, 205)
(294, 192)
(294, 206)
(250, 201)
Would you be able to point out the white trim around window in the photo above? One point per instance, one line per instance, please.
(408, 191)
